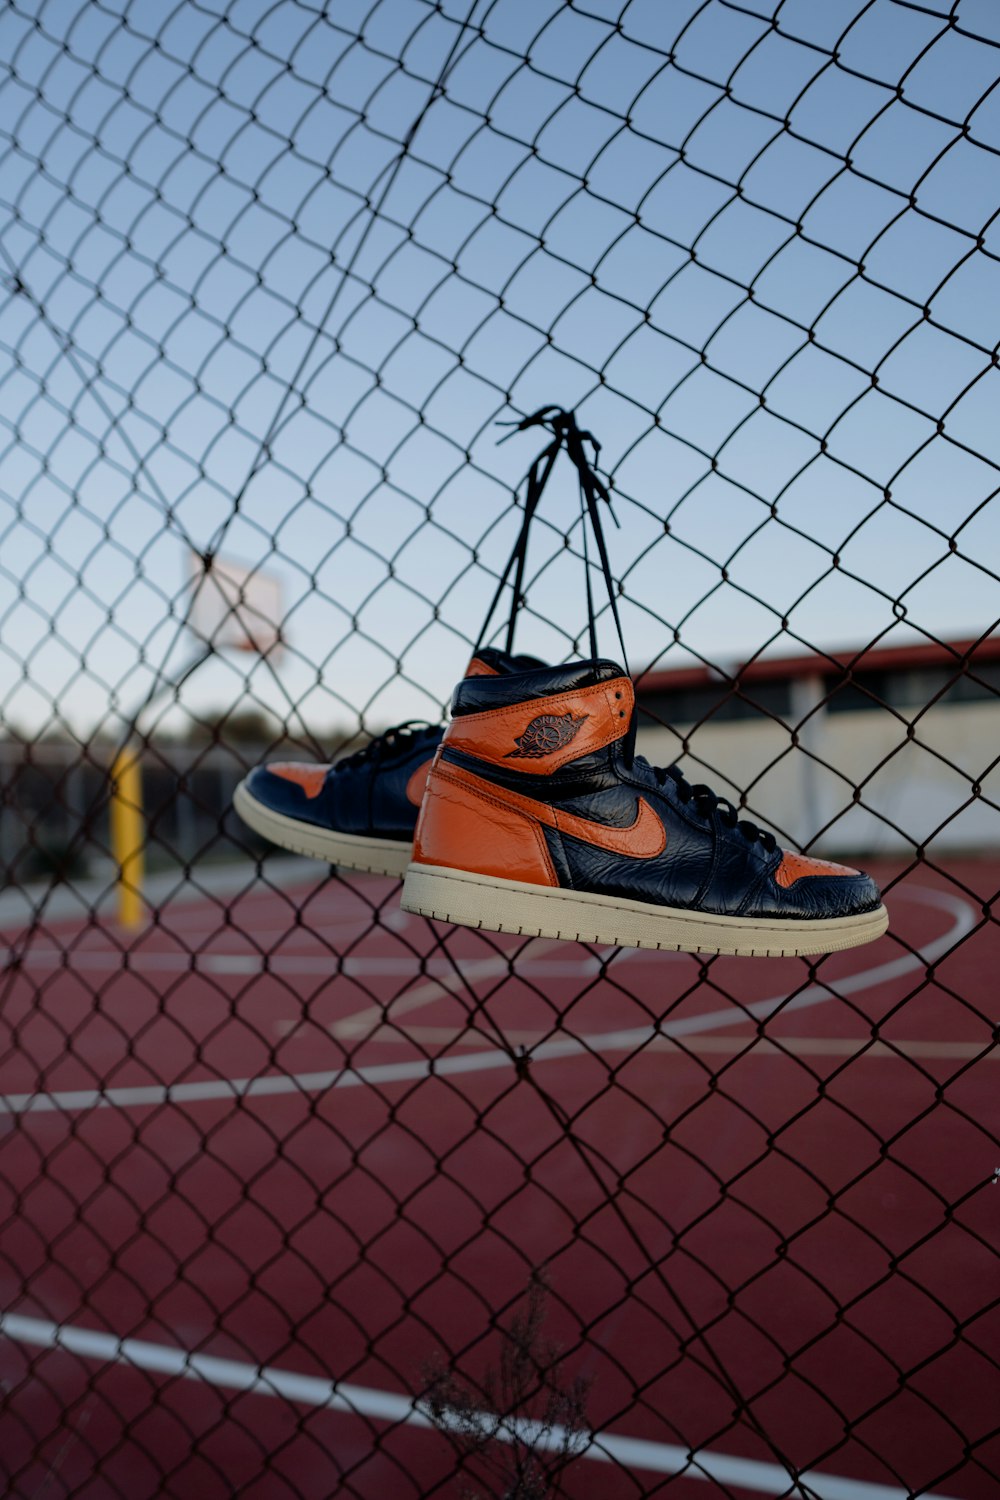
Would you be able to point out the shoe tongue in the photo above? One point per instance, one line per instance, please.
(492, 662)
(501, 689)
(658, 776)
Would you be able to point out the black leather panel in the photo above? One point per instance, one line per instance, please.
(816, 896)
(500, 661)
(591, 773)
(712, 873)
(475, 695)
(557, 854)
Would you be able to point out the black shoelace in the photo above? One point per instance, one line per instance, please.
(565, 435)
(709, 804)
(392, 744)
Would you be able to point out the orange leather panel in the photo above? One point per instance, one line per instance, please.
(574, 723)
(794, 867)
(417, 782)
(477, 668)
(465, 829)
(643, 839)
(309, 778)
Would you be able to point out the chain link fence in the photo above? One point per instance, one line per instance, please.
(300, 1196)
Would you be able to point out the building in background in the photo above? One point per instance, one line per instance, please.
(916, 729)
(850, 753)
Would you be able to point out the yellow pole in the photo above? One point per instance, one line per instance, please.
(128, 839)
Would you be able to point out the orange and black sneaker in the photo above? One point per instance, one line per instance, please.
(537, 818)
(361, 811)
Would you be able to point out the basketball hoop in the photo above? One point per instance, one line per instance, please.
(235, 608)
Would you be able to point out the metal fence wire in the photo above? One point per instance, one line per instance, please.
(300, 1196)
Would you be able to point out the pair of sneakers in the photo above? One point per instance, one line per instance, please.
(530, 813)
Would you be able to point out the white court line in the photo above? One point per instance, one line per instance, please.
(138, 962)
(388, 1406)
(271, 1084)
(241, 963)
(750, 1047)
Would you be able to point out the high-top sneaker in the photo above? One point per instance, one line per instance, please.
(361, 811)
(537, 818)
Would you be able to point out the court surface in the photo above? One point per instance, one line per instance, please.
(260, 1163)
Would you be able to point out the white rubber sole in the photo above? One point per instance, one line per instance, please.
(354, 852)
(580, 916)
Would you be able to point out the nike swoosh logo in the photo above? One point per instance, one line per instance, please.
(643, 839)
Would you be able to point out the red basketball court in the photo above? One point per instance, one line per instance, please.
(260, 1164)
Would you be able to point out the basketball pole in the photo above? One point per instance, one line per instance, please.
(250, 627)
(128, 834)
(126, 810)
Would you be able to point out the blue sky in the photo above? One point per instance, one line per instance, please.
(655, 212)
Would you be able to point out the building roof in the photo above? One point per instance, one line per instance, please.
(954, 655)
